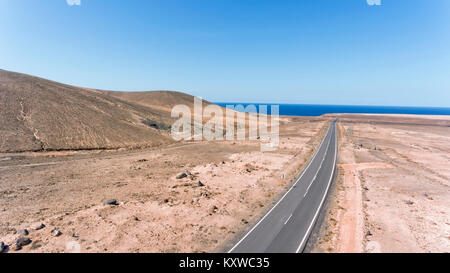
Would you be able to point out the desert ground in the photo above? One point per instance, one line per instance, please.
(86, 170)
(59, 197)
(393, 190)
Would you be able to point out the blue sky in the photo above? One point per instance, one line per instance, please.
(301, 51)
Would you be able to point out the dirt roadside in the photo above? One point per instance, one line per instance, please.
(393, 189)
(227, 186)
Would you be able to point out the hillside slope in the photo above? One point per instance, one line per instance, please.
(161, 100)
(38, 114)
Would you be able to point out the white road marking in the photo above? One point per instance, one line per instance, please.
(318, 170)
(257, 224)
(288, 219)
(323, 198)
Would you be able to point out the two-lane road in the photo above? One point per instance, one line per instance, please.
(287, 226)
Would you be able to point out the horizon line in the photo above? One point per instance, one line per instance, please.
(325, 104)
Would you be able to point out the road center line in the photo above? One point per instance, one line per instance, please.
(282, 198)
(288, 219)
(303, 241)
(320, 167)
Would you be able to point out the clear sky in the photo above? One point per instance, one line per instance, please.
(300, 51)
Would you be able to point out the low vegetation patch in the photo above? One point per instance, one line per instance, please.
(156, 125)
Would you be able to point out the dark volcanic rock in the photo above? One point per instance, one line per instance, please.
(112, 202)
(3, 247)
(23, 241)
(23, 232)
(56, 233)
(36, 245)
(40, 226)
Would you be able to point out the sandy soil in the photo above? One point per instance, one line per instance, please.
(156, 212)
(393, 192)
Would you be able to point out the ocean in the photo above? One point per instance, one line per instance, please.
(317, 110)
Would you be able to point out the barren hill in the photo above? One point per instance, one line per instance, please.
(163, 100)
(38, 114)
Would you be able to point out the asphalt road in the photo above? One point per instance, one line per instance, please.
(287, 226)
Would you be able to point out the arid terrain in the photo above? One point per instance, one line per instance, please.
(84, 170)
(41, 115)
(98, 171)
(393, 190)
(228, 186)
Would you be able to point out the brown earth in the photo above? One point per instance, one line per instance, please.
(162, 100)
(37, 114)
(393, 192)
(41, 115)
(157, 212)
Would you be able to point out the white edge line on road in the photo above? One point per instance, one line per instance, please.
(323, 198)
(257, 224)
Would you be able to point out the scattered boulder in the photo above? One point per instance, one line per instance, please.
(428, 196)
(112, 202)
(244, 221)
(142, 160)
(23, 241)
(248, 170)
(409, 202)
(3, 247)
(181, 176)
(56, 233)
(17, 247)
(205, 194)
(368, 233)
(36, 245)
(23, 232)
(214, 209)
(166, 200)
(200, 184)
(39, 227)
(188, 172)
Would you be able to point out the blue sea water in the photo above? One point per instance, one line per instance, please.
(317, 110)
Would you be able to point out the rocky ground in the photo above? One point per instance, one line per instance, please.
(184, 197)
(393, 191)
